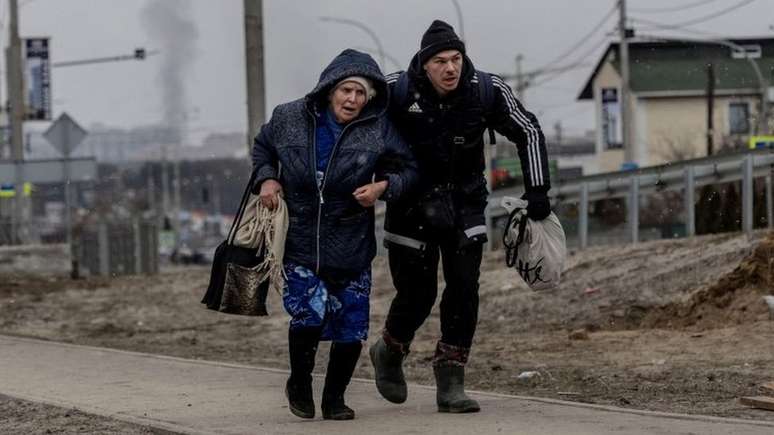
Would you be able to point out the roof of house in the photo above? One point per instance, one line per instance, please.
(663, 66)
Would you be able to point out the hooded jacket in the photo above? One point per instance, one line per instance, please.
(329, 232)
(446, 136)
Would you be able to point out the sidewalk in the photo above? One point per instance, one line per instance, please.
(199, 397)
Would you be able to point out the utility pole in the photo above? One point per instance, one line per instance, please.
(16, 119)
(176, 198)
(165, 208)
(710, 109)
(256, 104)
(626, 117)
(151, 194)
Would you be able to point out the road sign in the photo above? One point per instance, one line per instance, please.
(65, 134)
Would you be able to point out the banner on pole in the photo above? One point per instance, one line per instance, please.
(612, 129)
(37, 79)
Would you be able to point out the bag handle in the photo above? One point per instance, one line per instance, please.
(241, 210)
(510, 203)
(514, 206)
(243, 204)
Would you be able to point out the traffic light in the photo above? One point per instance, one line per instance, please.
(139, 53)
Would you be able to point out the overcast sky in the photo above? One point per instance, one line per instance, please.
(298, 45)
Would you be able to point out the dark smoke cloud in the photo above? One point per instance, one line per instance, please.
(170, 26)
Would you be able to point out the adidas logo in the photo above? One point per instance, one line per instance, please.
(414, 108)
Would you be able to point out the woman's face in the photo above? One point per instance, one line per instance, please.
(347, 101)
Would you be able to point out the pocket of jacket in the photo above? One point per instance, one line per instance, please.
(353, 218)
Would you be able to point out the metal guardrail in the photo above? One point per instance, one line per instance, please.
(684, 176)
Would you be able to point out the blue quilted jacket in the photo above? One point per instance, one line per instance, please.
(329, 231)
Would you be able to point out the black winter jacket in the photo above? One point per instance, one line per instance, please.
(446, 137)
(329, 231)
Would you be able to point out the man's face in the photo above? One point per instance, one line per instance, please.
(444, 71)
(347, 101)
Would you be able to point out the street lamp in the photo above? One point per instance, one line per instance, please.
(459, 19)
(392, 59)
(362, 27)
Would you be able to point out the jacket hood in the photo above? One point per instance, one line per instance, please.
(351, 63)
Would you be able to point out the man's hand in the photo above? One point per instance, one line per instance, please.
(368, 194)
(269, 194)
(538, 207)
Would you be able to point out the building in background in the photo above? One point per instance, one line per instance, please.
(670, 99)
(144, 143)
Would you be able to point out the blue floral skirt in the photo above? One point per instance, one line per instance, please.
(341, 311)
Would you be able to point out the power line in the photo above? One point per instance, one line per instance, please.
(673, 8)
(657, 26)
(583, 39)
(578, 64)
(707, 17)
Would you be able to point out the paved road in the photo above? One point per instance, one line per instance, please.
(199, 397)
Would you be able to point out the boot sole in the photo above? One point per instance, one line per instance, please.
(300, 413)
(450, 410)
(296, 411)
(338, 416)
(372, 355)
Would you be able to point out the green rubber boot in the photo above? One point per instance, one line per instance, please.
(387, 356)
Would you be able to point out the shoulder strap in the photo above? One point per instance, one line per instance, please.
(400, 91)
(485, 89)
(486, 93)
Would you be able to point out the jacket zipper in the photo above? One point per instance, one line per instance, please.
(321, 185)
(319, 192)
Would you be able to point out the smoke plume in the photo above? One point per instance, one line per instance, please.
(170, 26)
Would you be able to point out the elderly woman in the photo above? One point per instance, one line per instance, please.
(331, 155)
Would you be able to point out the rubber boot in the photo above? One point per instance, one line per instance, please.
(449, 369)
(341, 365)
(302, 345)
(387, 356)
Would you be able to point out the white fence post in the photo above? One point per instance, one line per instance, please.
(690, 202)
(634, 208)
(103, 243)
(769, 205)
(583, 217)
(747, 194)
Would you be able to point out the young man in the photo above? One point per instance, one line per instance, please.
(442, 106)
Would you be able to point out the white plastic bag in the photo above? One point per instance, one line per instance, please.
(536, 249)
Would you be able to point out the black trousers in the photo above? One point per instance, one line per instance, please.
(415, 277)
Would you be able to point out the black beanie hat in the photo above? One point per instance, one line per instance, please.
(439, 36)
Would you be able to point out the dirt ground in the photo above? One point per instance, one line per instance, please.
(22, 417)
(672, 325)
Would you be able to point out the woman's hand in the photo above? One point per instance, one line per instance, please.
(269, 194)
(368, 194)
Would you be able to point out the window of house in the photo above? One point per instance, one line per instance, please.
(739, 118)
